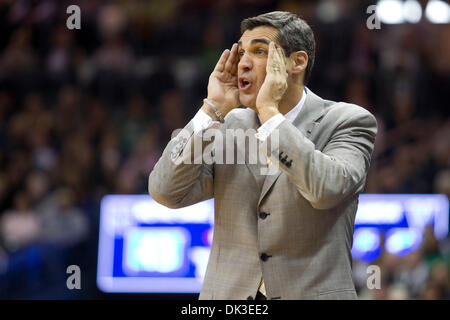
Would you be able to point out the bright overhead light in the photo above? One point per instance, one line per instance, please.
(390, 11)
(412, 11)
(438, 11)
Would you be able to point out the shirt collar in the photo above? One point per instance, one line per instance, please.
(293, 113)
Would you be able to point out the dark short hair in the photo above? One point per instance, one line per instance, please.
(294, 34)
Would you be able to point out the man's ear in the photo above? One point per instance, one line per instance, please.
(299, 61)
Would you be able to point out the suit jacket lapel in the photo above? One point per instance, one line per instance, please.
(305, 121)
(255, 168)
(312, 111)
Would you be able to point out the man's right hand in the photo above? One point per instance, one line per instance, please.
(223, 89)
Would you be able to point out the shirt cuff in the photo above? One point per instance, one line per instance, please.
(267, 127)
(202, 121)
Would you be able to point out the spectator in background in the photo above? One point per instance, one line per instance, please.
(20, 225)
(62, 224)
(69, 120)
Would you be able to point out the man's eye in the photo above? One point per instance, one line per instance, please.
(240, 53)
(260, 51)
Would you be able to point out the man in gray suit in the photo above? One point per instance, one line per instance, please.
(286, 234)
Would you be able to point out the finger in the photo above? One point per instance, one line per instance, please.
(281, 60)
(281, 52)
(276, 57)
(282, 56)
(277, 54)
(277, 63)
(222, 60)
(236, 61)
(231, 59)
(270, 57)
(234, 67)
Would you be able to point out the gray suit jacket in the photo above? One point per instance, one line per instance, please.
(294, 228)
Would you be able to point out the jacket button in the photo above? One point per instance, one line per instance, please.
(288, 164)
(263, 215)
(264, 257)
(249, 298)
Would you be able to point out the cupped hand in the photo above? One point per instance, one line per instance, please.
(275, 83)
(223, 83)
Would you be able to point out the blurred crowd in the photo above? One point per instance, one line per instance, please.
(421, 274)
(84, 113)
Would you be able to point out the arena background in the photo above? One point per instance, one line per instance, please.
(87, 112)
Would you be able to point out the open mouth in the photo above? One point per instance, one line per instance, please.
(244, 84)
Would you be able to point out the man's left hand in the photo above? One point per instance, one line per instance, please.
(275, 83)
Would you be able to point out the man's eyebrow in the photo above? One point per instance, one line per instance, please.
(265, 41)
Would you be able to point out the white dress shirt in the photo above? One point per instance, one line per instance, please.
(203, 121)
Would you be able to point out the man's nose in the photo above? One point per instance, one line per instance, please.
(245, 63)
